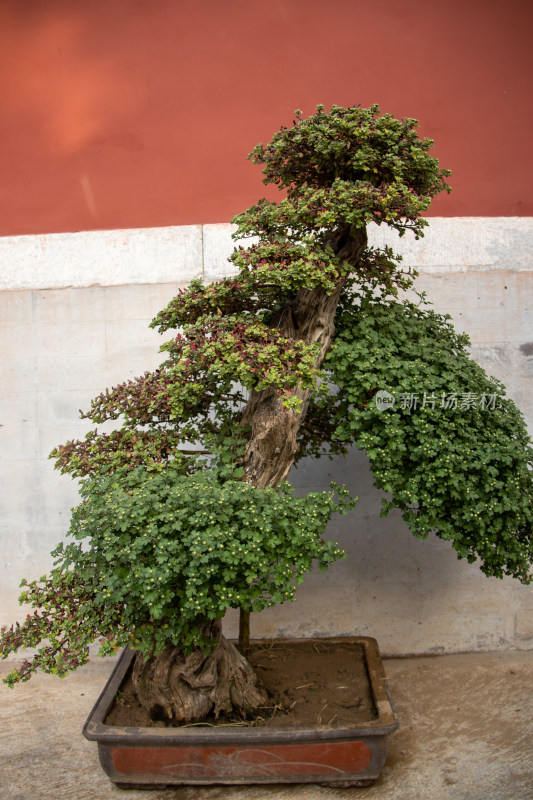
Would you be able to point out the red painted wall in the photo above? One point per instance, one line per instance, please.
(127, 113)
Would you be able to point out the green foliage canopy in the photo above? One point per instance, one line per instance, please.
(157, 554)
(453, 452)
(168, 535)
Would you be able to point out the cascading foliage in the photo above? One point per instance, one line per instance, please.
(452, 452)
(172, 528)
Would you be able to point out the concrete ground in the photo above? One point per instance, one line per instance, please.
(466, 733)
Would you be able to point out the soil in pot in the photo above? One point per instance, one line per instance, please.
(310, 684)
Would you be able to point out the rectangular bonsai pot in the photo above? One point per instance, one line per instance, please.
(155, 757)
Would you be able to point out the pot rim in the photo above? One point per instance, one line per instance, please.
(95, 728)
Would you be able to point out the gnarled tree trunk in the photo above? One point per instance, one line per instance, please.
(182, 688)
(310, 317)
(272, 447)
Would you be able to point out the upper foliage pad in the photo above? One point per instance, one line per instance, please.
(352, 165)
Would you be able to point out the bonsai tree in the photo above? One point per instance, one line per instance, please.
(311, 347)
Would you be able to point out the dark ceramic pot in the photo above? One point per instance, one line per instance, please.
(155, 757)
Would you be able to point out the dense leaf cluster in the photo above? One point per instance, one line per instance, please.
(346, 166)
(453, 452)
(157, 554)
(67, 619)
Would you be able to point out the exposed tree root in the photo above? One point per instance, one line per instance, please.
(187, 688)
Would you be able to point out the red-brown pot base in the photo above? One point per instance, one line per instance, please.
(349, 755)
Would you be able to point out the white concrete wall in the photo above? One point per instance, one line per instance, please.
(74, 310)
